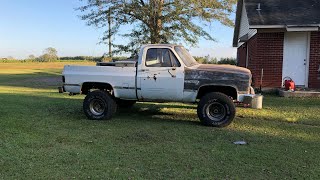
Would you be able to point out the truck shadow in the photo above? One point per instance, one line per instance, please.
(168, 105)
(42, 80)
(154, 112)
(70, 109)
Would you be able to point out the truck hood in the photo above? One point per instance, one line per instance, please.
(223, 68)
(218, 75)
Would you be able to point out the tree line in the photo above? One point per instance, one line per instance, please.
(51, 54)
(209, 60)
(32, 58)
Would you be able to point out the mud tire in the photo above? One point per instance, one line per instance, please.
(99, 105)
(216, 109)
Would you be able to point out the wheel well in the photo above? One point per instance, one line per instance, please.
(227, 90)
(87, 86)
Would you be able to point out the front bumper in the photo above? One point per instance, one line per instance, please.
(250, 93)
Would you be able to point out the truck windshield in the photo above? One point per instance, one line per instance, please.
(185, 56)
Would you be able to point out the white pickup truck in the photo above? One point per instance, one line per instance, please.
(161, 73)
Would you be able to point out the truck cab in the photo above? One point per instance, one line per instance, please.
(160, 75)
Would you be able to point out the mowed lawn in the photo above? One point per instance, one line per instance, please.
(45, 135)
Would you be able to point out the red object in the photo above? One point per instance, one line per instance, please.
(289, 84)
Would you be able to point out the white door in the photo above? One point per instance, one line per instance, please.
(161, 78)
(296, 57)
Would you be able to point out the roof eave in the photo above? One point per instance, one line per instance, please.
(283, 26)
(237, 23)
(267, 26)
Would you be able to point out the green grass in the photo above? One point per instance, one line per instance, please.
(45, 135)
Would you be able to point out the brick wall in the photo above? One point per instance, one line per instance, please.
(314, 76)
(242, 55)
(266, 52)
(253, 65)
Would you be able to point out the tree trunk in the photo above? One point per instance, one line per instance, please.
(155, 20)
(109, 32)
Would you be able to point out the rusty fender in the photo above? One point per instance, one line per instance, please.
(218, 75)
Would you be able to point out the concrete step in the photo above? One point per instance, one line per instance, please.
(300, 93)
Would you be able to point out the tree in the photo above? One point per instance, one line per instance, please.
(31, 57)
(50, 54)
(157, 21)
(232, 61)
(206, 60)
(106, 58)
(201, 60)
(51, 51)
(214, 61)
(10, 58)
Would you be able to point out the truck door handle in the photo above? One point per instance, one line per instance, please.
(144, 70)
(171, 73)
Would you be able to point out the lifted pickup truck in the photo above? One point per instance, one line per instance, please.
(162, 73)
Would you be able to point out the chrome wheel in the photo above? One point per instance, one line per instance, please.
(216, 111)
(97, 107)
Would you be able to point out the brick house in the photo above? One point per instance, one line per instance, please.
(279, 38)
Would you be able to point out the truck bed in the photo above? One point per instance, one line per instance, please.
(122, 78)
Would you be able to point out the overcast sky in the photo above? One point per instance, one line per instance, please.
(29, 26)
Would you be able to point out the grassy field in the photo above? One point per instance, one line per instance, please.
(45, 135)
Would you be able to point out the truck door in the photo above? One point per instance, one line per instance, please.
(160, 77)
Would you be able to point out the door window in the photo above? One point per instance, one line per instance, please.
(174, 60)
(157, 57)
